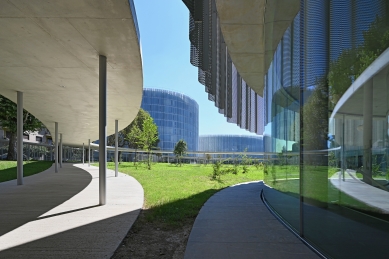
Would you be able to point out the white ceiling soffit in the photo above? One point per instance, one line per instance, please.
(49, 50)
(252, 30)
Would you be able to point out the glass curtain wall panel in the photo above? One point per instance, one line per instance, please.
(326, 127)
(176, 115)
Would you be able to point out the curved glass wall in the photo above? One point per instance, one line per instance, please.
(176, 115)
(230, 143)
(326, 127)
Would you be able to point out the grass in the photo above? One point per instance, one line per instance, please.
(8, 169)
(174, 194)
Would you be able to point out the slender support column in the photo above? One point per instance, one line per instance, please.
(116, 148)
(56, 147)
(60, 150)
(344, 167)
(83, 154)
(367, 131)
(28, 152)
(102, 129)
(88, 152)
(20, 138)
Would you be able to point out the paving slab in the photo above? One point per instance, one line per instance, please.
(57, 215)
(234, 223)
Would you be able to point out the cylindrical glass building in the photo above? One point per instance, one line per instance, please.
(230, 143)
(176, 115)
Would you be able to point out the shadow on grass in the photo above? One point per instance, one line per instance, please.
(29, 168)
(179, 212)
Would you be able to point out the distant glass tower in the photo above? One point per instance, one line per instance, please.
(230, 143)
(176, 115)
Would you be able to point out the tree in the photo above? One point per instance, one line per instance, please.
(8, 121)
(134, 128)
(208, 157)
(133, 137)
(148, 138)
(180, 150)
(352, 62)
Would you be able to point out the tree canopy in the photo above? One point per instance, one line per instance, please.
(180, 150)
(352, 62)
(146, 138)
(8, 121)
(136, 125)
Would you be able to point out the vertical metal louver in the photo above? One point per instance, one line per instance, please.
(216, 70)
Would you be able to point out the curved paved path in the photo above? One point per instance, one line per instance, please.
(58, 216)
(234, 223)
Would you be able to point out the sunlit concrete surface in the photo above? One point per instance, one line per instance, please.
(235, 223)
(361, 191)
(58, 216)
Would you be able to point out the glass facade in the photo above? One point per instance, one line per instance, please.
(176, 115)
(230, 143)
(326, 118)
(326, 121)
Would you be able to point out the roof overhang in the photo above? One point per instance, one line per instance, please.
(49, 50)
(252, 29)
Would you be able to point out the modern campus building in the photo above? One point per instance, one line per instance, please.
(230, 143)
(176, 115)
(322, 69)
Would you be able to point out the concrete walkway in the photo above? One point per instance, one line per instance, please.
(361, 191)
(58, 216)
(234, 223)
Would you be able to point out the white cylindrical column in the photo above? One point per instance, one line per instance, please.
(60, 150)
(367, 131)
(20, 138)
(83, 153)
(116, 148)
(56, 147)
(102, 129)
(88, 152)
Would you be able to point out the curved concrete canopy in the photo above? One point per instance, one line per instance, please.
(49, 50)
(252, 30)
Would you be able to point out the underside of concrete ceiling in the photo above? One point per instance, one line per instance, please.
(49, 50)
(252, 30)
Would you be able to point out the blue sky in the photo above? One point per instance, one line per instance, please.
(164, 33)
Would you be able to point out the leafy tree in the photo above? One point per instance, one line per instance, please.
(208, 157)
(133, 137)
(352, 62)
(8, 121)
(180, 150)
(148, 138)
(133, 128)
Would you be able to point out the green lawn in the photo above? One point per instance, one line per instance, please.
(8, 169)
(175, 194)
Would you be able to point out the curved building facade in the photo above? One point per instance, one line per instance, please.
(230, 143)
(176, 115)
(325, 72)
